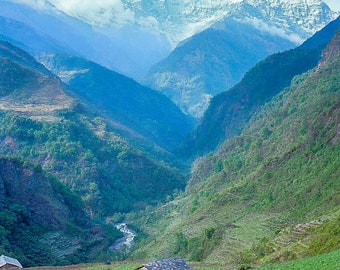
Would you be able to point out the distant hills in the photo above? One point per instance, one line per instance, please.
(42, 28)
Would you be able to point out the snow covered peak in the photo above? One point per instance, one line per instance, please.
(180, 19)
(295, 19)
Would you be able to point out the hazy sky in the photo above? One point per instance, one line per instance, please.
(333, 4)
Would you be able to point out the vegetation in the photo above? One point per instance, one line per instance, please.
(44, 222)
(268, 195)
(327, 261)
(20, 237)
(101, 167)
(230, 111)
(245, 203)
(138, 108)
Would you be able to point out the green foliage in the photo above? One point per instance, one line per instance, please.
(326, 238)
(70, 198)
(95, 163)
(20, 237)
(281, 171)
(230, 111)
(327, 261)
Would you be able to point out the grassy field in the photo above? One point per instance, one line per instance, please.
(329, 261)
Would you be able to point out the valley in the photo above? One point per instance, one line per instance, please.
(225, 152)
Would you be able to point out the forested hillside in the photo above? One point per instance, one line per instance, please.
(269, 194)
(230, 111)
(87, 154)
(41, 123)
(42, 222)
(143, 111)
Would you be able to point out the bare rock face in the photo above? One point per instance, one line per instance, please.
(31, 188)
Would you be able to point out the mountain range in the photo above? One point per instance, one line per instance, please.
(269, 194)
(131, 36)
(214, 60)
(230, 111)
(84, 147)
(211, 62)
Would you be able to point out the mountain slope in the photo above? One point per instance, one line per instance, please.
(42, 222)
(269, 194)
(40, 122)
(229, 111)
(132, 105)
(211, 62)
(214, 60)
(42, 28)
(27, 87)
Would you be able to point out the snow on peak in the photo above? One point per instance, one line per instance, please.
(180, 19)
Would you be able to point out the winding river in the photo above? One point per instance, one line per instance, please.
(124, 243)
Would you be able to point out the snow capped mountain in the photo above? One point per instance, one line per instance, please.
(180, 19)
(133, 35)
(213, 61)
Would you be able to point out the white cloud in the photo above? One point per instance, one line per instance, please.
(333, 4)
(99, 12)
(273, 30)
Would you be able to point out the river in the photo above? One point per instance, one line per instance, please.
(124, 243)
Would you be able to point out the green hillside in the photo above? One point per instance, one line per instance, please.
(42, 222)
(270, 194)
(230, 111)
(41, 123)
(118, 98)
(100, 166)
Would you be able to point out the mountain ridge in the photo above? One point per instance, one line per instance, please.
(267, 195)
(211, 62)
(230, 108)
(151, 30)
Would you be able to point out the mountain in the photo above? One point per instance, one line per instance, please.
(131, 105)
(43, 222)
(23, 184)
(42, 123)
(179, 20)
(230, 111)
(131, 36)
(211, 62)
(216, 59)
(7, 50)
(39, 27)
(27, 87)
(269, 194)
